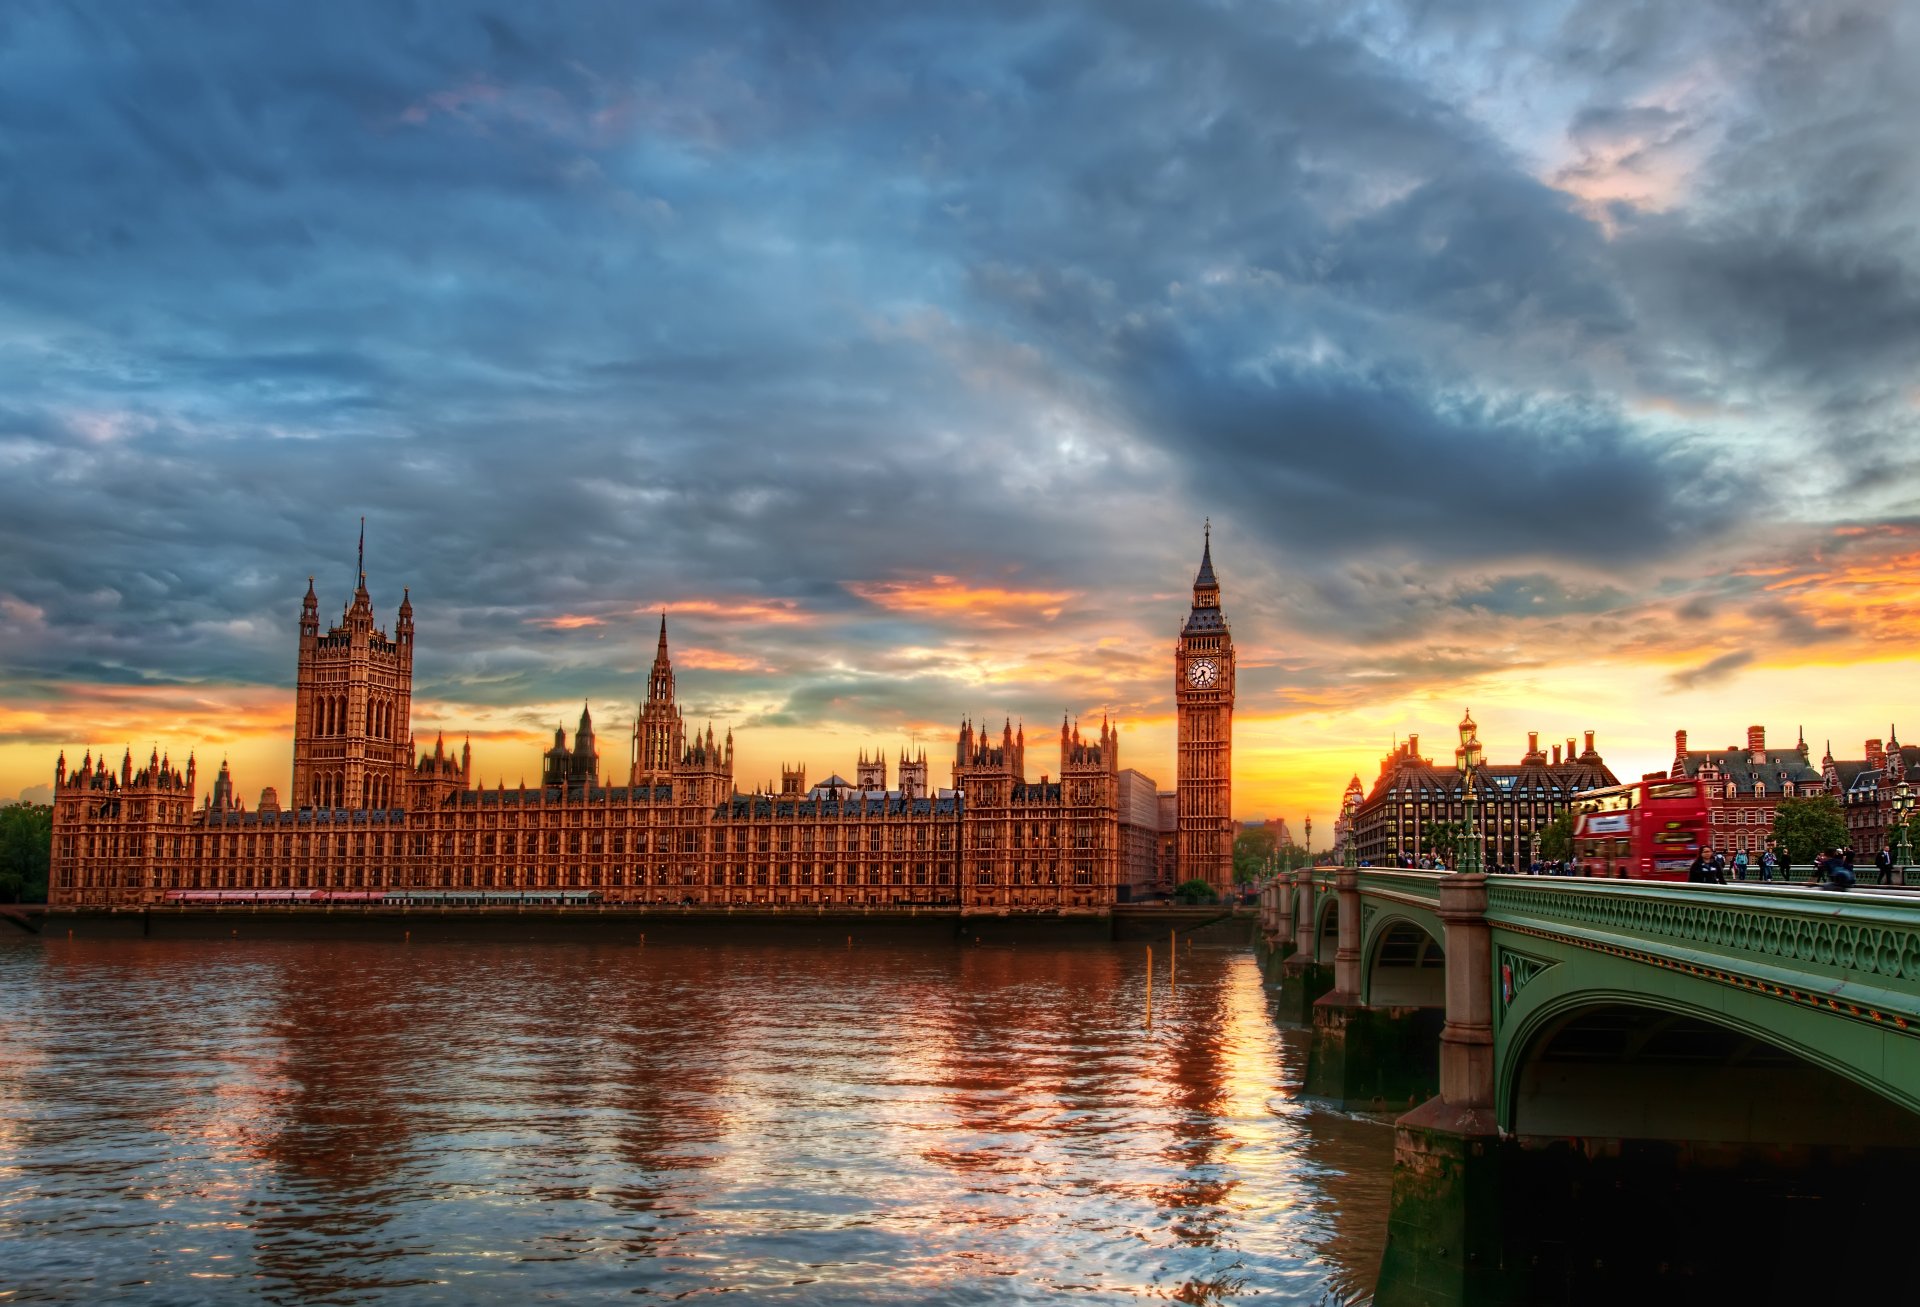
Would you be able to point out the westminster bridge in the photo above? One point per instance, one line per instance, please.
(1679, 1047)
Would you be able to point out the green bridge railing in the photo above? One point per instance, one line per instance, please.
(1855, 954)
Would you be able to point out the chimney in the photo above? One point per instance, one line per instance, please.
(1413, 744)
(1589, 744)
(1533, 743)
(1556, 755)
(1756, 745)
(1876, 754)
(1569, 748)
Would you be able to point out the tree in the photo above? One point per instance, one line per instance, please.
(1194, 891)
(1443, 839)
(26, 850)
(1556, 838)
(1803, 829)
(1252, 854)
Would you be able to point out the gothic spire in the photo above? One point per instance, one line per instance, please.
(1205, 579)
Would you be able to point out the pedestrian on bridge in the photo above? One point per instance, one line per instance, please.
(1740, 865)
(1768, 861)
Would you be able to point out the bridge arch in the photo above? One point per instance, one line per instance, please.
(1326, 930)
(1615, 1057)
(1403, 963)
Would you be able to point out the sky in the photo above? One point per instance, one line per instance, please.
(1556, 360)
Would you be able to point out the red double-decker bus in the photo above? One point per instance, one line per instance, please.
(1643, 830)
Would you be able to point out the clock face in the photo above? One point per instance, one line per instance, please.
(1202, 672)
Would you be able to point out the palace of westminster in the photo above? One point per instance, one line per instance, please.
(370, 811)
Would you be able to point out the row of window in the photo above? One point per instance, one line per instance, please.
(921, 874)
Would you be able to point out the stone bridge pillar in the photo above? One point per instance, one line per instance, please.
(1304, 915)
(1444, 1240)
(1466, 1044)
(1302, 978)
(1346, 957)
(1371, 1058)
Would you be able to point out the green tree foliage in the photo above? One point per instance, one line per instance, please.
(1253, 852)
(26, 849)
(1443, 838)
(1805, 828)
(1194, 891)
(1556, 838)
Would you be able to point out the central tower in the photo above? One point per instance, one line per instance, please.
(1203, 697)
(353, 705)
(659, 736)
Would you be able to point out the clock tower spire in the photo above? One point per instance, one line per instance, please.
(1203, 699)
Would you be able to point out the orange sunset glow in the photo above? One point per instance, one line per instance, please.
(1312, 710)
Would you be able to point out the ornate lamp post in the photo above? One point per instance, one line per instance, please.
(1902, 808)
(1466, 859)
(1309, 845)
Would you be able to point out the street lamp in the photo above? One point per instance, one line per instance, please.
(1902, 806)
(1466, 758)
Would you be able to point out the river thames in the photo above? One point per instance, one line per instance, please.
(348, 1122)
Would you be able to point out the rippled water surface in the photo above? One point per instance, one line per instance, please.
(498, 1122)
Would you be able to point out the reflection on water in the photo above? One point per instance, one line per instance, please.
(489, 1122)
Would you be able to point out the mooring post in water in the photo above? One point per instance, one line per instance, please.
(1173, 957)
(1149, 987)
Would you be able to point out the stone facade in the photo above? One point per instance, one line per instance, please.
(353, 702)
(1514, 800)
(371, 811)
(1148, 830)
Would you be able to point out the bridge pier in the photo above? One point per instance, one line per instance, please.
(1360, 1057)
(1302, 978)
(1275, 940)
(1444, 1230)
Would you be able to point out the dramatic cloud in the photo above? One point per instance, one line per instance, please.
(1543, 352)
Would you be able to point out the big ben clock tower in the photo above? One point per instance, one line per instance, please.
(1203, 696)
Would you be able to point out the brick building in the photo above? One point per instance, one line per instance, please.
(1745, 785)
(1514, 801)
(1865, 787)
